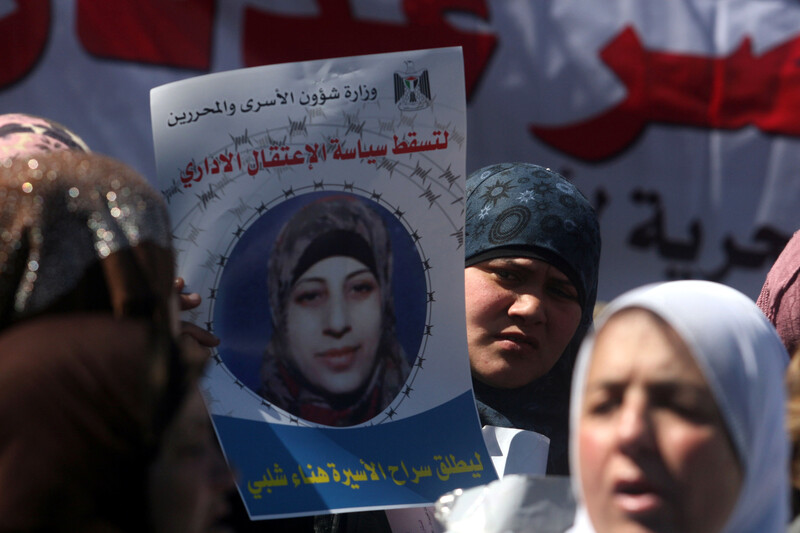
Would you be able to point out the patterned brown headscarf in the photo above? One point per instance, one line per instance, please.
(89, 368)
(22, 135)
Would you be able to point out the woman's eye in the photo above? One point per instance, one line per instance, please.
(690, 412)
(505, 275)
(564, 292)
(687, 403)
(603, 401)
(362, 289)
(308, 297)
(602, 407)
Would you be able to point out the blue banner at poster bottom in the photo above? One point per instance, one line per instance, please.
(288, 470)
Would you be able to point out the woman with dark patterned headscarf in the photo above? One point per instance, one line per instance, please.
(90, 372)
(532, 256)
(334, 357)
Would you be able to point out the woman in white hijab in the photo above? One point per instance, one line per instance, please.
(677, 415)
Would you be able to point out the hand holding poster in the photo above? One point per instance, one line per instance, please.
(318, 208)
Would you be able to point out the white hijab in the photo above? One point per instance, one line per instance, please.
(743, 361)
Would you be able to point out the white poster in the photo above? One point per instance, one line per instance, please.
(318, 208)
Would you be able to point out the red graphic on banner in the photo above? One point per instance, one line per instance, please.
(23, 34)
(161, 32)
(721, 93)
(272, 38)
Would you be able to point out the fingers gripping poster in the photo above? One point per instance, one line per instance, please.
(318, 209)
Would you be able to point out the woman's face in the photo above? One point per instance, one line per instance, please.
(189, 480)
(654, 453)
(521, 314)
(333, 324)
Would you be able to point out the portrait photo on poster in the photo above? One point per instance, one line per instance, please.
(321, 308)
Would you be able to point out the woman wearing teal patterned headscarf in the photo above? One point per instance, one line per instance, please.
(532, 256)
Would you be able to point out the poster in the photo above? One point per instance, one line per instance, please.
(318, 209)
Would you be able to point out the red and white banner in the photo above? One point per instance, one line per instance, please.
(679, 120)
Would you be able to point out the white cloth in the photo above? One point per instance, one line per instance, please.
(743, 361)
(513, 504)
(516, 451)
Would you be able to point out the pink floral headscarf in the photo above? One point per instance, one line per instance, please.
(22, 135)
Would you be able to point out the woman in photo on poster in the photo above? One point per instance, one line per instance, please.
(334, 357)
